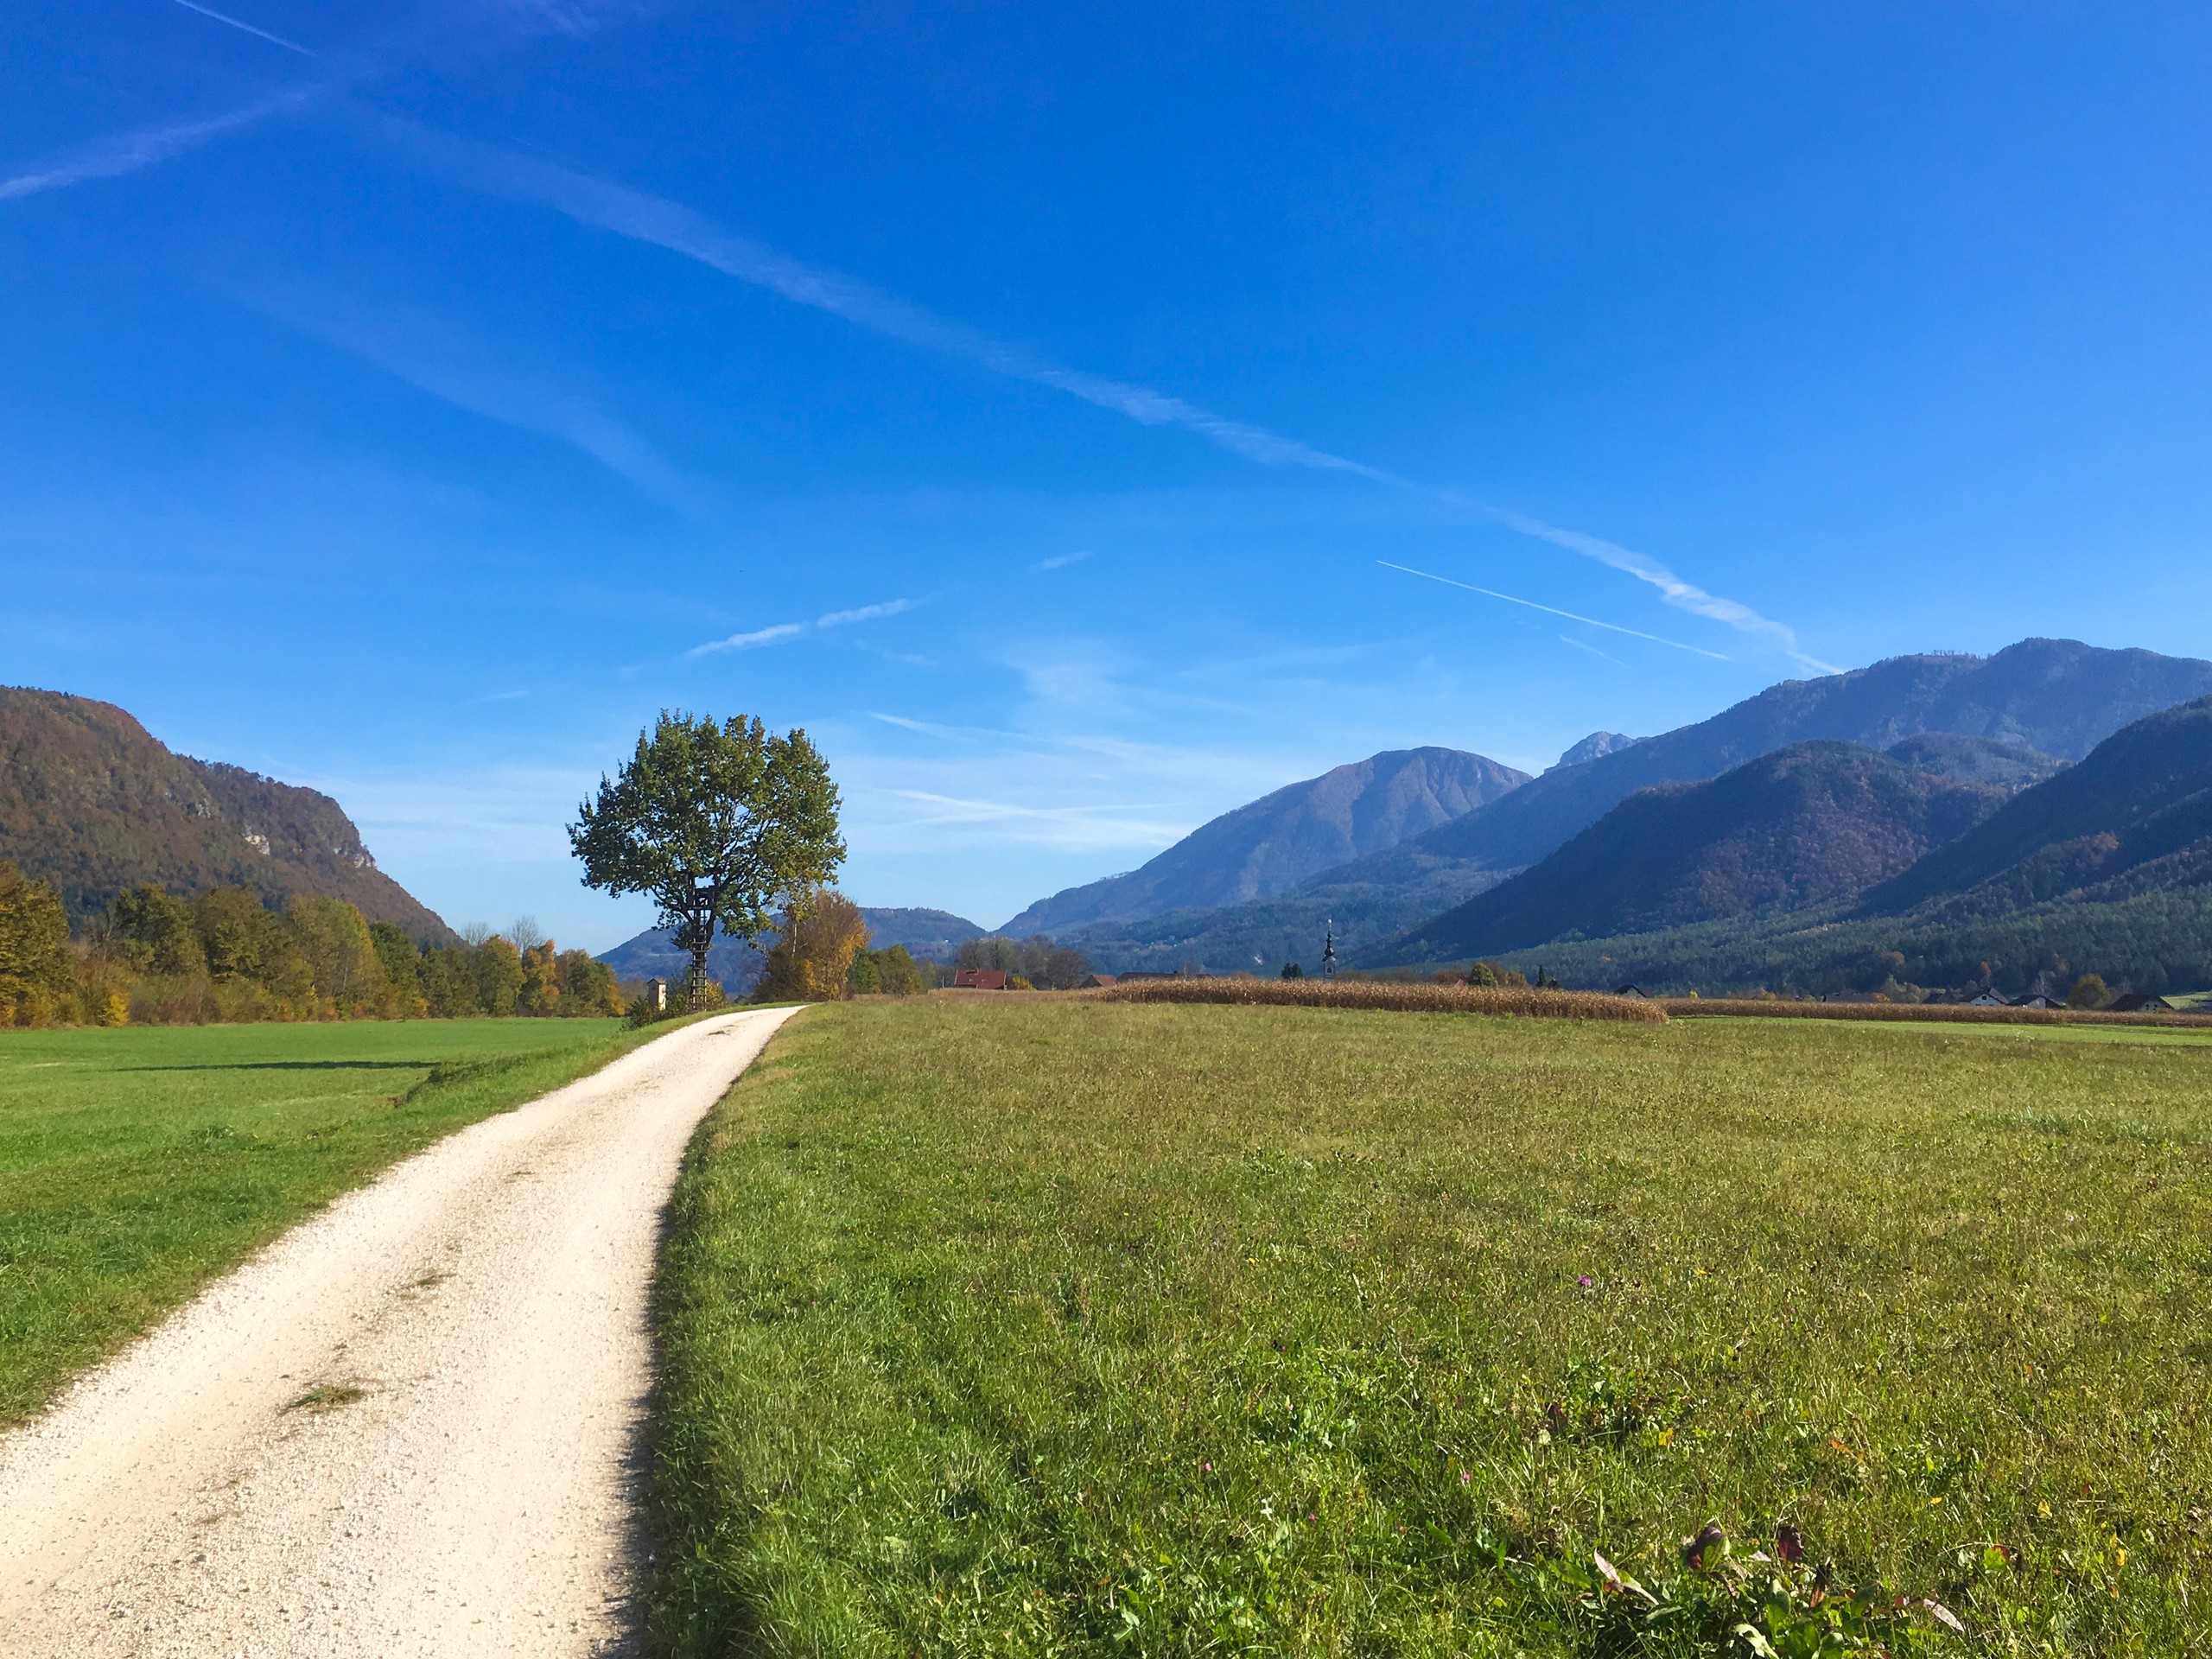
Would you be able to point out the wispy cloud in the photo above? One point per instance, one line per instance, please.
(433, 358)
(779, 632)
(865, 613)
(1683, 596)
(768, 636)
(936, 729)
(114, 157)
(258, 34)
(1554, 610)
(663, 223)
(1062, 561)
(655, 219)
(1584, 644)
(128, 152)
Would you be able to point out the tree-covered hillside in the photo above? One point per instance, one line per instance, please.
(1806, 824)
(2104, 868)
(92, 802)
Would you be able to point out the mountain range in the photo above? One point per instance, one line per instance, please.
(2105, 868)
(2029, 705)
(1803, 825)
(2139, 807)
(93, 802)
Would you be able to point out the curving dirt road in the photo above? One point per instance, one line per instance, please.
(409, 1427)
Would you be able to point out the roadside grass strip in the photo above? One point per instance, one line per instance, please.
(1095, 1327)
(138, 1164)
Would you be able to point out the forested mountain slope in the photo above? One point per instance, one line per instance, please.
(1269, 845)
(2057, 696)
(1806, 824)
(2142, 798)
(91, 802)
(2104, 868)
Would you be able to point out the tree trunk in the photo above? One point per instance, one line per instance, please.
(702, 940)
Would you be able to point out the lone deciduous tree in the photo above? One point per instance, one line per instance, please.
(716, 822)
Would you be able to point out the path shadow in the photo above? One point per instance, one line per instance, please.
(298, 1065)
(737, 1631)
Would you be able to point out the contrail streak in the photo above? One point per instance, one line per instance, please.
(1682, 594)
(662, 223)
(670, 225)
(1553, 610)
(134, 150)
(776, 634)
(261, 34)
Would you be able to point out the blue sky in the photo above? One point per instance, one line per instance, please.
(1049, 407)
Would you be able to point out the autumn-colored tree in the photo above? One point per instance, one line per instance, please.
(36, 970)
(815, 946)
(234, 927)
(716, 822)
(342, 957)
(243, 940)
(403, 968)
(498, 974)
(541, 980)
(2089, 991)
(587, 985)
(153, 932)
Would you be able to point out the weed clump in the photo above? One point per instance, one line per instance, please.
(328, 1396)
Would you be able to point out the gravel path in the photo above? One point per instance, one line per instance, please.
(410, 1427)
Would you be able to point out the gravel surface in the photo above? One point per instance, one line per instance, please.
(410, 1427)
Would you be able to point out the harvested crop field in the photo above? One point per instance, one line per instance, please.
(1397, 996)
(1091, 1326)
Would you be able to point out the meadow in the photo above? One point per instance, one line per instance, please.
(1035, 1328)
(136, 1164)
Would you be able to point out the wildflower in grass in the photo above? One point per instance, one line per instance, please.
(1583, 1280)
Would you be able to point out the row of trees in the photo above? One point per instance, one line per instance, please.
(1045, 965)
(820, 954)
(152, 958)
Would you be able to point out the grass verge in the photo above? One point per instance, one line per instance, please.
(137, 1165)
(1089, 1328)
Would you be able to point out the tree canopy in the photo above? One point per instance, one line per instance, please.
(815, 948)
(716, 824)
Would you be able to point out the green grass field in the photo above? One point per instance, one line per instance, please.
(1036, 1329)
(135, 1165)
